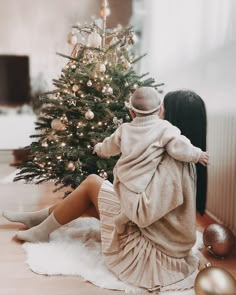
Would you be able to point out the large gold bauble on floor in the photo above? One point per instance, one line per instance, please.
(214, 280)
(218, 239)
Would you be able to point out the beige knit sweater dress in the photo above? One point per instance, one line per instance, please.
(155, 194)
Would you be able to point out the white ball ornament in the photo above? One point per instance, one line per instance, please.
(89, 83)
(56, 124)
(102, 68)
(89, 115)
(94, 40)
(75, 88)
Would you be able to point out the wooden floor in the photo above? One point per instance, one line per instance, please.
(16, 277)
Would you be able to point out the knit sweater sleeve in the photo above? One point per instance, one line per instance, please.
(179, 147)
(111, 145)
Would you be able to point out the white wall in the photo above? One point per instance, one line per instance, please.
(39, 29)
(192, 44)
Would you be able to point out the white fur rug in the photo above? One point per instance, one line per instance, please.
(75, 249)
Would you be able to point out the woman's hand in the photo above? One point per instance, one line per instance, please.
(204, 158)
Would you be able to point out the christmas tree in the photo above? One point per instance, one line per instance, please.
(87, 105)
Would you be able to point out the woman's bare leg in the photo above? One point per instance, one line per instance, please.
(80, 201)
(76, 204)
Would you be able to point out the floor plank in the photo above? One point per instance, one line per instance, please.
(16, 277)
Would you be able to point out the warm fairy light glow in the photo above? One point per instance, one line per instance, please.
(89, 94)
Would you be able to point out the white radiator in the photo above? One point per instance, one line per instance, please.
(221, 196)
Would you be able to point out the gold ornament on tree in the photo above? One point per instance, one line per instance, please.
(214, 280)
(102, 68)
(70, 166)
(56, 124)
(89, 115)
(75, 50)
(75, 88)
(218, 239)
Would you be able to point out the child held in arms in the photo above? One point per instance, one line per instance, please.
(143, 144)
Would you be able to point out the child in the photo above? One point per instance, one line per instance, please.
(142, 144)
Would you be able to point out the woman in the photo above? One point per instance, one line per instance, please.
(156, 256)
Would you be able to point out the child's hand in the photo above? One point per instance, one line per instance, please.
(97, 150)
(204, 158)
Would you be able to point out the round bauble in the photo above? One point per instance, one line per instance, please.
(70, 166)
(105, 11)
(102, 68)
(75, 88)
(214, 280)
(218, 239)
(89, 83)
(94, 40)
(56, 124)
(89, 115)
(103, 174)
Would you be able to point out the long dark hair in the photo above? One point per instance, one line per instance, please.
(186, 110)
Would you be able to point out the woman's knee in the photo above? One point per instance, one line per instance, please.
(93, 179)
(93, 184)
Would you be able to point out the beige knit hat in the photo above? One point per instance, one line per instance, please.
(145, 100)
